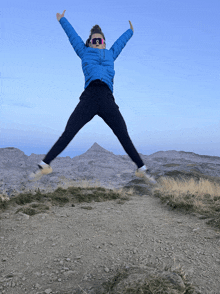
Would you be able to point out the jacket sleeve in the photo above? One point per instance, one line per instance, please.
(74, 38)
(120, 43)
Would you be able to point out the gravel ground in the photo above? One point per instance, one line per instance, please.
(68, 248)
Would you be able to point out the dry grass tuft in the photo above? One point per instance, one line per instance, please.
(201, 196)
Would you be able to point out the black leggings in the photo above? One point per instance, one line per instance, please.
(97, 99)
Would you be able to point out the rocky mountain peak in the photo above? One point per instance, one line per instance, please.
(96, 148)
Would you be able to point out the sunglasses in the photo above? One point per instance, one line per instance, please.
(97, 41)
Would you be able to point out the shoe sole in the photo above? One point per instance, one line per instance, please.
(143, 175)
(35, 177)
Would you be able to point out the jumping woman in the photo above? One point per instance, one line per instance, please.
(97, 97)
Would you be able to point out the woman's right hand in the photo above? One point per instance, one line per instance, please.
(59, 16)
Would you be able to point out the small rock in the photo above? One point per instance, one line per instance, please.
(37, 286)
(48, 291)
(23, 215)
(66, 268)
(106, 270)
(135, 250)
(68, 273)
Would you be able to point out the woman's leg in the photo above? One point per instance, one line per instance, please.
(83, 113)
(109, 112)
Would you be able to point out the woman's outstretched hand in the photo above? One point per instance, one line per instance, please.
(131, 26)
(59, 16)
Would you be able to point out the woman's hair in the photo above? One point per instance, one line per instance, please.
(96, 27)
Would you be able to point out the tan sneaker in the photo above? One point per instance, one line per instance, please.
(43, 169)
(146, 175)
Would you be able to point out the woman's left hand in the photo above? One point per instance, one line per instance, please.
(131, 26)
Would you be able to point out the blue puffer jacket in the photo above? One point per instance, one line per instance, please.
(96, 63)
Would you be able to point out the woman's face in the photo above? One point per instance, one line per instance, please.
(100, 46)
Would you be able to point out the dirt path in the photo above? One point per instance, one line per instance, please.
(71, 247)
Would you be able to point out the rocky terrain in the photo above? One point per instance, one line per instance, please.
(98, 163)
(77, 248)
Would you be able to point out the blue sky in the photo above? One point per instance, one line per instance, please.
(166, 84)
